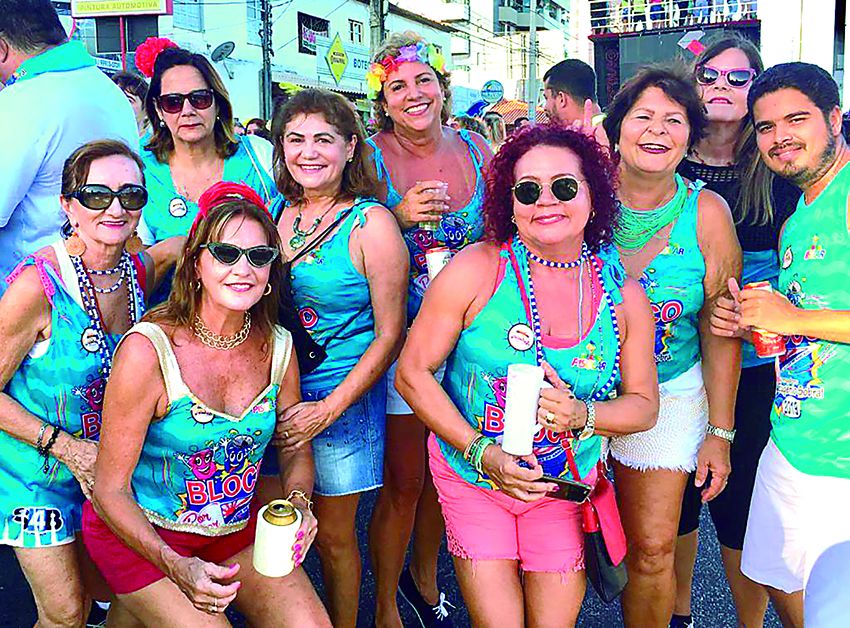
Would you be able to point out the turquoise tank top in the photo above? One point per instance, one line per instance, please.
(60, 383)
(673, 281)
(758, 266)
(333, 302)
(169, 214)
(501, 334)
(457, 229)
(198, 467)
(809, 417)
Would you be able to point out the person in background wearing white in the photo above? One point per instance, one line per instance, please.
(54, 101)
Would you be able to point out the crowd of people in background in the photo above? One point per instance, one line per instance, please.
(199, 317)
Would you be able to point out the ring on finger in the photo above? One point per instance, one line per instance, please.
(286, 435)
(549, 418)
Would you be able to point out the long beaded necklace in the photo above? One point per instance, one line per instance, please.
(88, 294)
(299, 237)
(636, 228)
(121, 269)
(598, 392)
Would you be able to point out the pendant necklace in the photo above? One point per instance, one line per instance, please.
(299, 237)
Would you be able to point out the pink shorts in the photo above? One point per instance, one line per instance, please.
(485, 524)
(126, 572)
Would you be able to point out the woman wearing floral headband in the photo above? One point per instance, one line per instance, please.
(194, 399)
(433, 184)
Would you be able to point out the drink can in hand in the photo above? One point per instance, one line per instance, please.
(767, 344)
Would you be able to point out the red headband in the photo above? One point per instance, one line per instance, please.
(225, 191)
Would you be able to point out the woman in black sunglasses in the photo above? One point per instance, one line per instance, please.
(728, 161)
(546, 289)
(193, 145)
(65, 309)
(679, 242)
(197, 391)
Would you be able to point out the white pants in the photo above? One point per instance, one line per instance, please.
(794, 518)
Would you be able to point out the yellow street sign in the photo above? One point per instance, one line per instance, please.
(337, 59)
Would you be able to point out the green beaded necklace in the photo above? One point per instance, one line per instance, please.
(637, 227)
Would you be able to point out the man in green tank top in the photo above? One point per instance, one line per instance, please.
(801, 501)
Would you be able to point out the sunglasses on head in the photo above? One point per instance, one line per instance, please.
(563, 188)
(229, 254)
(736, 77)
(199, 99)
(99, 197)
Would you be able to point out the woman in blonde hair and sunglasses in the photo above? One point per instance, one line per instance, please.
(65, 309)
(728, 161)
(193, 403)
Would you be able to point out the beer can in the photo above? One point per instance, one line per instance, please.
(277, 525)
(436, 259)
(767, 344)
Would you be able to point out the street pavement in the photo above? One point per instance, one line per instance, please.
(712, 602)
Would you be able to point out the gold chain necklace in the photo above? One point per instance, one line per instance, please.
(216, 341)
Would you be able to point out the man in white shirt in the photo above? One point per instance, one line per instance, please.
(54, 100)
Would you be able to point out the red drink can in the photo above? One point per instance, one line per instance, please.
(436, 259)
(767, 344)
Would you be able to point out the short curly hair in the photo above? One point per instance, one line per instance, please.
(599, 172)
(391, 47)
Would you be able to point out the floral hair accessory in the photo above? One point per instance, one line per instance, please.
(419, 52)
(225, 191)
(149, 50)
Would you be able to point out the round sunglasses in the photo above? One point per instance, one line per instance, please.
(229, 254)
(199, 99)
(563, 188)
(132, 197)
(736, 77)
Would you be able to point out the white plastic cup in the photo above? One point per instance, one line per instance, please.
(521, 398)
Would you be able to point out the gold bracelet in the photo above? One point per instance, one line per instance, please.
(299, 493)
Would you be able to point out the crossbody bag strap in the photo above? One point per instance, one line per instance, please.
(321, 237)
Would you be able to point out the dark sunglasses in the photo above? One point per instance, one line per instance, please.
(737, 77)
(563, 188)
(199, 99)
(229, 254)
(99, 197)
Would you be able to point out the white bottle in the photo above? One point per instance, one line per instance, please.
(277, 524)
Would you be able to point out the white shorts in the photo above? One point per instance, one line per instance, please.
(794, 518)
(395, 402)
(678, 434)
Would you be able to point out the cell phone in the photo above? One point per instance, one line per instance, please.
(569, 490)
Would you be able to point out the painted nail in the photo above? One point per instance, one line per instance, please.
(297, 547)
(300, 535)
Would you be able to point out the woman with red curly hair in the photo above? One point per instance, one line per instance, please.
(190, 407)
(546, 288)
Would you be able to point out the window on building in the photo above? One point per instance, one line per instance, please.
(255, 22)
(189, 15)
(108, 35)
(139, 28)
(355, 31)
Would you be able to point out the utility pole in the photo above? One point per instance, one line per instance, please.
(266, 104)
(376, 25)
(531, 86)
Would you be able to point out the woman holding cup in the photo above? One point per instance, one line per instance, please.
(545, 292)
(434, 185)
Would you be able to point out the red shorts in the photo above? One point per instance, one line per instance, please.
(126, 572)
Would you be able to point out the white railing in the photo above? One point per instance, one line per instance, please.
(626, 16)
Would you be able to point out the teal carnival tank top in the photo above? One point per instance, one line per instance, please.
(673, 281)
(457, 229)
(170, 214)
(198, 467)
(501, 334)
(334, 303)
(60, 382)
(810, 414)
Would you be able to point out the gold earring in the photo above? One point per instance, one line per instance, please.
(134, 244)
(75, 245)
(268, 290)
(197, 285)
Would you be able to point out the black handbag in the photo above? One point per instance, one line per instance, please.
(310, 353)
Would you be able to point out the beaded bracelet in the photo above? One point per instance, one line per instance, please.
(299, 493)
(45, 451)
(39, 445)
(474, 452)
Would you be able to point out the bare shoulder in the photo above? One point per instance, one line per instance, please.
(633, 292)
(713, 209)
(379, 219)
(482, 144)
(136, 354)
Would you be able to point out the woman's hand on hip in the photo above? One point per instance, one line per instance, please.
(424, 202)
(79, 456)
(301, 423)
(558, 409)
(201, 582)
(512, 479)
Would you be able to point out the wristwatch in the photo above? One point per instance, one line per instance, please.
(720, 432)
(590, 425)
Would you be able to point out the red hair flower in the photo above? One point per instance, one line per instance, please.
(149, 50)
(225, 191)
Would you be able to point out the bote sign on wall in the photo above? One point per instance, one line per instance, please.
(120, 8)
